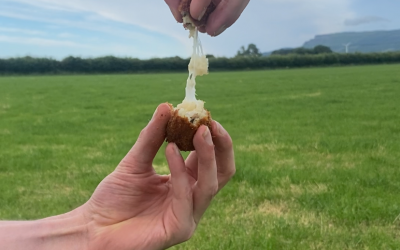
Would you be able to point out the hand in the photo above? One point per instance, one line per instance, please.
(226, 13)
(135, 208)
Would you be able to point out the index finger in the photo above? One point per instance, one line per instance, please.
(226, 14)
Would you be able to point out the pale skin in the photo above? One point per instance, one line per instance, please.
(225, 14)
(134, 207)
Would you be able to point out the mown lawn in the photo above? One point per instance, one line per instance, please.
(317, 150)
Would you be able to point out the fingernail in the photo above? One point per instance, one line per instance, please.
(221, 130)
(202, 14)
(154, 115)
(176, 149)
(220, 30)
(207, 136)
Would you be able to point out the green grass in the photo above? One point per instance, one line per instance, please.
(317, 151)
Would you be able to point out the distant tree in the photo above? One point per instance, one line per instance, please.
(303, 51)
(251, 51)
(241, 52)
(111, 64)
(298, 51)
(282, 52)
(321, 49)
(75, 64)
(210, 56)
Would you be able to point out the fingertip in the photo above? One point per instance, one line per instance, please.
(173, 6)
(202, 29)
(202, 136)
(179, 178)
(209, 32)
(214, 128)
(165, 106)
(214, 31)
(162, 113)
(178, 18)
(175, 160)
(200, 131)
(217, 129)
(220, 130)
(212, 26)
(172, 150)
(168, 149)
(222, 17)
(221, 137)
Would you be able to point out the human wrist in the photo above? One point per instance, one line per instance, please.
(66, 231)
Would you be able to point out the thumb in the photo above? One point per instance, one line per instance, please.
(140, 157)
(173, 6)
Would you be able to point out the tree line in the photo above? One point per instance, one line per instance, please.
(111, 64)
(319, 49)
(253, 51)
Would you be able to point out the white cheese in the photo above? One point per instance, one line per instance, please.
(198, 66)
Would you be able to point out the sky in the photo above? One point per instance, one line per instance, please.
(146, 29)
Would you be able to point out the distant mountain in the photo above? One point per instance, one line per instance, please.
(371, 41)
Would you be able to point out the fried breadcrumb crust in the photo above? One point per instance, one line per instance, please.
(181, 131)
(184, 9)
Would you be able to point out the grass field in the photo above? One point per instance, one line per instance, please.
(317, 151)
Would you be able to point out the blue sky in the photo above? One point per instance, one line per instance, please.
(146, 29)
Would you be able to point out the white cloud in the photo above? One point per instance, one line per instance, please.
(72, 48)
(106, 28)
(151, 15)
(21, 31)
(40, 41)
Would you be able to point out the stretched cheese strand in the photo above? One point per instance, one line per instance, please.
(198, 66)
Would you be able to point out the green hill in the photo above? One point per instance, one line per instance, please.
(371, 41)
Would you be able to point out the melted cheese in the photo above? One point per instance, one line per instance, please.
(192, 109)
(198, 66)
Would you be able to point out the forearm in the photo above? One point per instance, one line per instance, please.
(66, 231)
